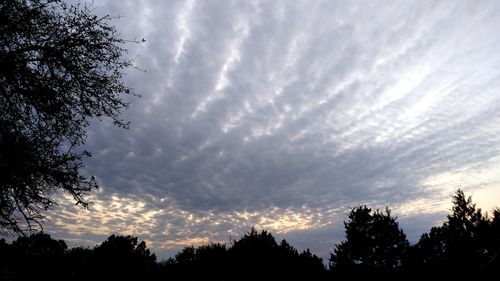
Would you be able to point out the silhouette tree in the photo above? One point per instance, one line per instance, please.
(40, 244)
(309, 266)
(211, 261)
(61, 66)
(258, 256)
(286, 249)
(255, 256)
(206, 262)
(374, 243)
(492, 264)
(39, 253)
(123, 257)
(458, 248)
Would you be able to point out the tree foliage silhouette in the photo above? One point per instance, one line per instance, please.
(61, 66)
(460, 246)
(39, 256)
(39, 253)
(255, 256)
(493, 245)
(123, 256)
(206, 262)
(373, 241)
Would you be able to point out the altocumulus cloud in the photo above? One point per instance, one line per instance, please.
(282, 114)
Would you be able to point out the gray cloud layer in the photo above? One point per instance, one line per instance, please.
(282, 114)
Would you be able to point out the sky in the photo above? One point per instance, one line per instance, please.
(284, 114)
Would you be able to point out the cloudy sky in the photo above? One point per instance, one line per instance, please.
(283, 114)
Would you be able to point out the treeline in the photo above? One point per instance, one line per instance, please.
(465, 246)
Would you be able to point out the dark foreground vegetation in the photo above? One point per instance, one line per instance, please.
(465, 246)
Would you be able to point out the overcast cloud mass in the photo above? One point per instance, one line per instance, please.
(283, 114)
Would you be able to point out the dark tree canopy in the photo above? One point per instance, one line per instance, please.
(60, 67)
(40, 257)
(462, 245)
(373, 241)
(40, 244)
(123, 256)
(255, 256)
